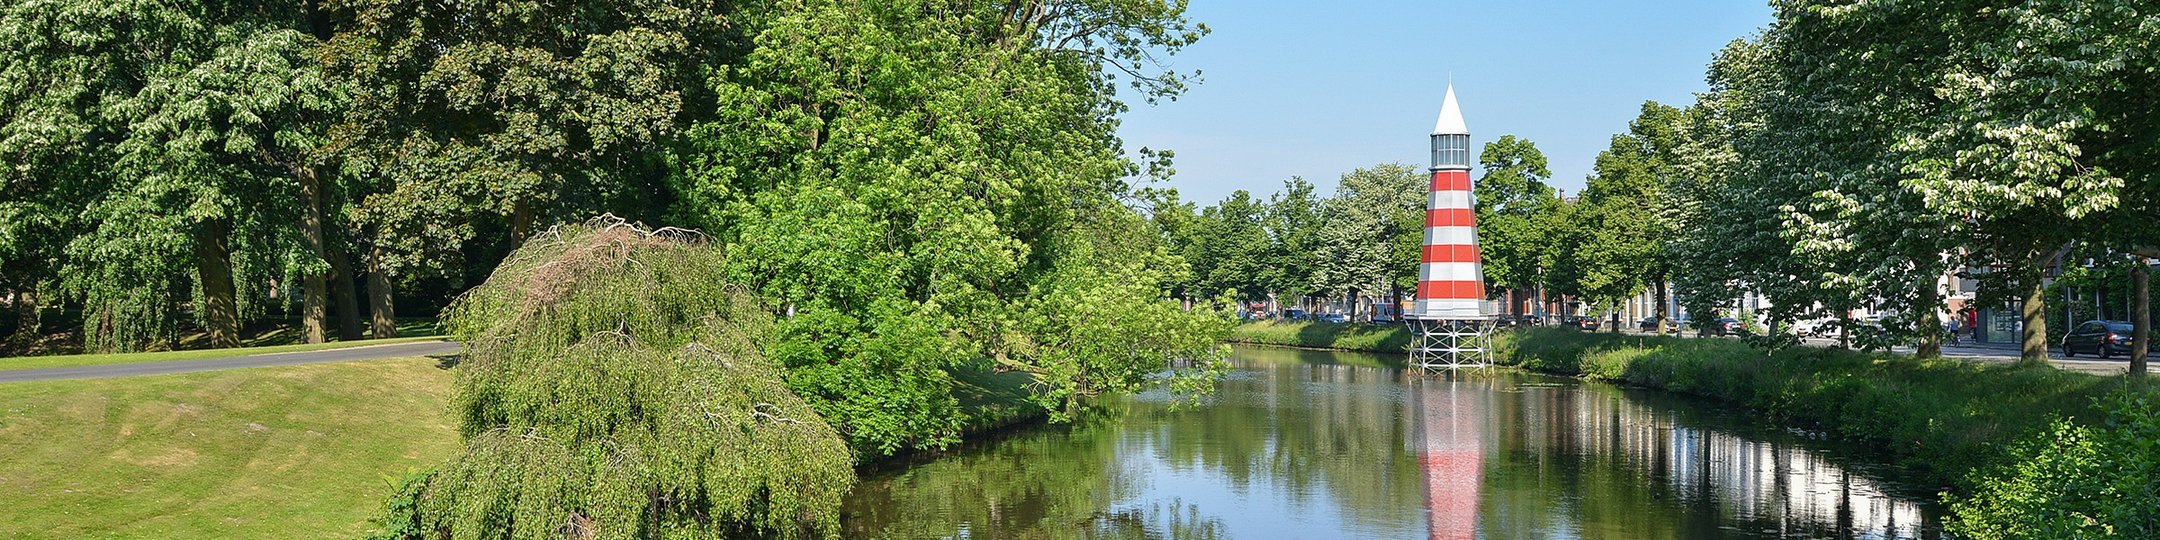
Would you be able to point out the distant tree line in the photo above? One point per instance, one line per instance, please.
(1297, 247)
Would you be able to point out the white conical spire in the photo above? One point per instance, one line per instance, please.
(1450, 116)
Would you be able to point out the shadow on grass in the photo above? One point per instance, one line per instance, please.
(448, 361)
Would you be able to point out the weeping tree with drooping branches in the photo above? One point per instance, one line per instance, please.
(614, 388)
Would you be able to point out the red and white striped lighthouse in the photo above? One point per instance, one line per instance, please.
(1451, 276)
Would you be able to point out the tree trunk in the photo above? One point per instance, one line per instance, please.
(521, 222)
(1663, 313)
(26, 319)
(380, 310)
(213, 266)
(2140, 316)
(2035, 350)
(314, 296)
(1845, 329)
(342, 296)
(1931, 328)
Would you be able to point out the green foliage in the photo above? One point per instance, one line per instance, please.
(465, 125)
(1612, 243)
(2075, 480)
(140, 132)
(1828, 180)
(1375, 211)
(1231, 250)
(925, 187)
(615, 388)
(1515, 210)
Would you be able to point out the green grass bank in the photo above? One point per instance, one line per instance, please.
(1321, 335)
(1941, 420)
(305, 451)
(308, 451)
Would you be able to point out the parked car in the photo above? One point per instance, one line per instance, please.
(1647, 324)
(1813, 327)
(1383, 318)
(1587, 324)
(1337, 318)
(1296, 314)
(1726, 326)
(2102, 338)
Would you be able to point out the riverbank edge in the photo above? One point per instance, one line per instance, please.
(1941, 421)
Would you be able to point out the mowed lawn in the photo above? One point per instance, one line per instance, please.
(303, 451)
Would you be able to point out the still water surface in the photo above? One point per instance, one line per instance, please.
(1319, 445)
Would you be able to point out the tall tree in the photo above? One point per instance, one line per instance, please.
(919, 180)
(179, 129)
(1231, 249)
(467, 124)
(1360, 252)
(1620, 231)
(1514, 206)
(2036, 141)
(1294, 222)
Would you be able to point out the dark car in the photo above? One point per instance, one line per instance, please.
(1295, 314)
(2101, 338)
(1336, 318)
(1726, 326)
(1585, 323)
(1647, 324)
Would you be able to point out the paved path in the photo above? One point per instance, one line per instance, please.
(364, 352)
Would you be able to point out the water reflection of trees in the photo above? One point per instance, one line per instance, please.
(1347, 442)
(1636, 470)
(1057, 482)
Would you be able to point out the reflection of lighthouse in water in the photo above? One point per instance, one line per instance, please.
(1449, 443)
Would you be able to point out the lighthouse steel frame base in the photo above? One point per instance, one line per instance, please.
(1451, 343)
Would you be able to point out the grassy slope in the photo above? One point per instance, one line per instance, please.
(33, 362)
(282, 452)
(1321, 335)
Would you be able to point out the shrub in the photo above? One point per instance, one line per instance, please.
(2074, 481)
(614, 388)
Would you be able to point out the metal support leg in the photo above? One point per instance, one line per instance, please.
(1450, 343)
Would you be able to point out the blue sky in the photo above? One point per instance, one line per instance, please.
(1315, 89)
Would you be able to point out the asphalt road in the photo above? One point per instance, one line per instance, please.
(364, 352)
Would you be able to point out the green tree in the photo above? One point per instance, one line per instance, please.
(1514, 208)
(179, 130)
(1360, 253)
(918, 183)
(1294, 222)
(1231, 249)
(1622, 227)
(471, 130)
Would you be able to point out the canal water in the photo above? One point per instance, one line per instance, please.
(1319, 445)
